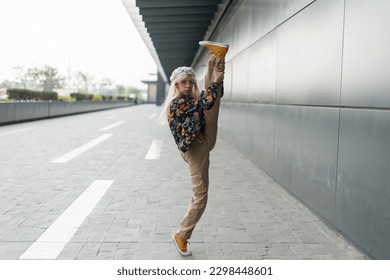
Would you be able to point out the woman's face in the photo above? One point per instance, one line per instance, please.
(185, 86)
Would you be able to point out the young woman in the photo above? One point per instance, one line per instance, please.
(193, 119)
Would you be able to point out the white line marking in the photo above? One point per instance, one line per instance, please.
(154, 150)
(112, 126)
(51, 243)
(152, 116)
(67, 157)
(17, 131)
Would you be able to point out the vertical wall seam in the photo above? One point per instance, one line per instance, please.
(275, 102)
(339, 124)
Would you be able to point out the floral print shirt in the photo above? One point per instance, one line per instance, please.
(183, 122)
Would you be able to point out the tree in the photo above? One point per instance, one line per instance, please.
(105, 86)
(133, 93)
(20, 74)
(46, 77)
(7, 84)
(35, 74)
(50, 78)
(84, 81)
(121, 90)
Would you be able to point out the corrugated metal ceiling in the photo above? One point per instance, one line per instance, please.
(174, 28)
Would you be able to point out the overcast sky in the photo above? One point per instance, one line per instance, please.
(93, 36)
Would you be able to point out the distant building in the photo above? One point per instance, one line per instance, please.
(3, 93)
(63, 91)
(152, 91)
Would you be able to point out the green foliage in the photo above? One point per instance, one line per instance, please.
(97, 98)
(81, 96)
(107, 98)
(133, 90)
(122, 98)
(25, 94)
(65, 98)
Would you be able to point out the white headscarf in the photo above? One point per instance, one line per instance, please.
(183, 70)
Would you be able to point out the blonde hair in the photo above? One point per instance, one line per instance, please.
(174, 93)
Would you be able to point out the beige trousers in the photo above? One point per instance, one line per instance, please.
(198, 161)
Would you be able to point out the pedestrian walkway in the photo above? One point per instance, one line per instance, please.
(112, 185)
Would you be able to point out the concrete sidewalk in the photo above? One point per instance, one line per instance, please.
(249, 215)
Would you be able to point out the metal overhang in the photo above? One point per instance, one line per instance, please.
(171, 29)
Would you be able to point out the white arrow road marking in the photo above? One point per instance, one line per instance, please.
(152, 116)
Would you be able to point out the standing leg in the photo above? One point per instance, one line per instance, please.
(198, 162)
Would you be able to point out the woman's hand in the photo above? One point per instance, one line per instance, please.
(220, 64)
(219, 71)
(218, 77)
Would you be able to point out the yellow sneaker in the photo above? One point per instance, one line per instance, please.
(181, 245)
(218, 49)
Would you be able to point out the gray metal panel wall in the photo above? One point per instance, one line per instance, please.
(225, 117)
(259, 136)
(363, 193)
(60, 108)
(240, 69)
(363, 189)
(238, 120)
(366, 65)
(7, 112)
(305, 157)
(309, 55)
(254, 130)
(262, 71)
(26, 111)
(31, 110)
(306, 98)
